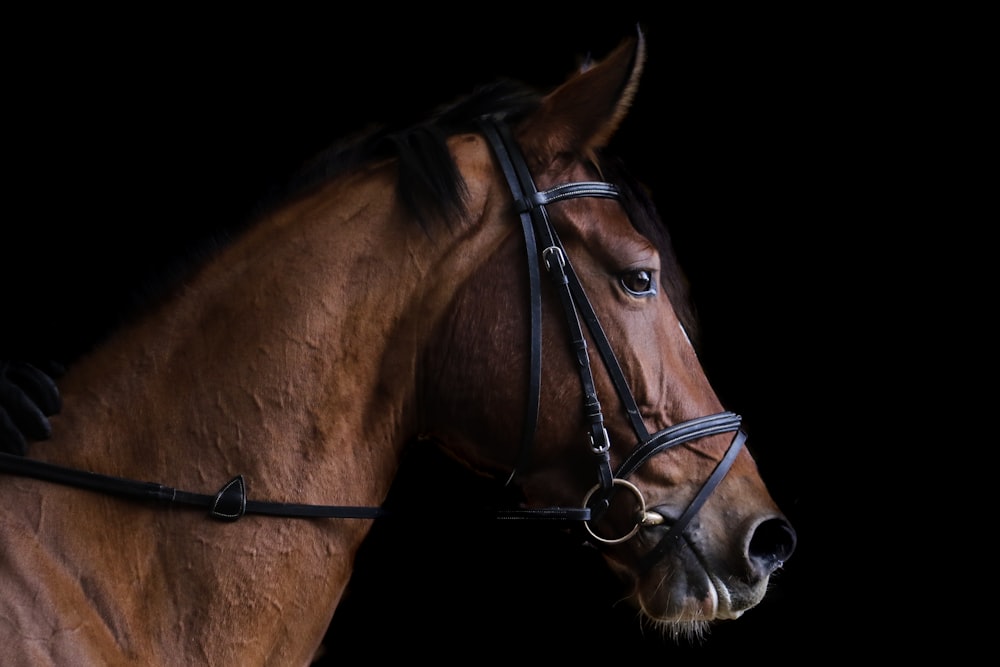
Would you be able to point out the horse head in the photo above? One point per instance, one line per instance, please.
(679, 509)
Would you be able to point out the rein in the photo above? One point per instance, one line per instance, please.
(230, 503)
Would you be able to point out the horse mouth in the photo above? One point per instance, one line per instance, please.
(682, 592)
(723, 607)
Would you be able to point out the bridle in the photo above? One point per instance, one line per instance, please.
(538, 232)
(231, 503)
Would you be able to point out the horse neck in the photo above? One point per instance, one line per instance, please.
(291, 359)
(293, 353)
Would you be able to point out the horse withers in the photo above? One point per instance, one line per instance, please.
(489, 280)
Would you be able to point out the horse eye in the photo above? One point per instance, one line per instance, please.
(639, 283)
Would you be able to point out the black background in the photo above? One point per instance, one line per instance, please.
(128, 137)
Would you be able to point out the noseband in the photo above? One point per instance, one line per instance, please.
(538, 232)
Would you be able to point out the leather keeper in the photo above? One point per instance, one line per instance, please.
(231, 500)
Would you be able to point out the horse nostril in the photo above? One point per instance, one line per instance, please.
(772, 544)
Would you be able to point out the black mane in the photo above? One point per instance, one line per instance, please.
(429, 184)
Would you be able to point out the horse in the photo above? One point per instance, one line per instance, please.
(490, 280)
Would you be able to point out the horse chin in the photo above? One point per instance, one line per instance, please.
(691, 632)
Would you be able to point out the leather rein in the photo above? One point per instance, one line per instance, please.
(231, 502)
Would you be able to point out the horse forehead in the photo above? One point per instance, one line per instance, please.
(604, 229)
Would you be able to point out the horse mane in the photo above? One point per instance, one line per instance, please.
(429, 184)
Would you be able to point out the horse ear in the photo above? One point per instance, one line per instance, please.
(584, 112)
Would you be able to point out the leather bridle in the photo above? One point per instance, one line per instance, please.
(231, 502)
(538, 232)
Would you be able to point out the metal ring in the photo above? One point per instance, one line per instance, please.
(640, 514)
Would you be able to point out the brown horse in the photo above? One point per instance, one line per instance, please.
(489, 280)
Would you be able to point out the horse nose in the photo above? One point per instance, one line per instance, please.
(772, 544)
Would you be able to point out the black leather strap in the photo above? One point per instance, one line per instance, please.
(676, 435)
(566, 191)
(229, 504)
(534, 302)
(607, 355)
